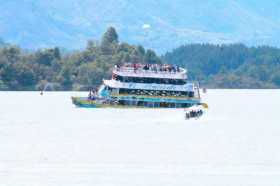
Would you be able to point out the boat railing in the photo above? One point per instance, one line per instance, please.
(141, 72)
(154, 96)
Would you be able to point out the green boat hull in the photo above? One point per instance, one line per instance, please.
(87, 103)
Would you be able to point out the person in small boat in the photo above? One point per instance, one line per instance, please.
(188, 115)
(193, 114)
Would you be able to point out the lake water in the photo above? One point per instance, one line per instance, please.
(46, 141)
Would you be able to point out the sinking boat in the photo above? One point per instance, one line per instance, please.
(195, 111)
(144, 86)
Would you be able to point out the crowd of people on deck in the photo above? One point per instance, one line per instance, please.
(149, 67)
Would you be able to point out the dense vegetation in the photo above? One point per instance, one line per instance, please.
(229, 66)
(79, 70)
(214, 66)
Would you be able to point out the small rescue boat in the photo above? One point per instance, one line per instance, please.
(195, 111)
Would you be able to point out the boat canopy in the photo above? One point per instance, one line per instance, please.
(195, 108)
(151, 71)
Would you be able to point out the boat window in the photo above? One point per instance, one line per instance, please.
(140, 103)
(191, 94)
(156, 93)
(150, 80)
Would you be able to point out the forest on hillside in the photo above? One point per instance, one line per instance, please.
(214, 66)
(229, 66)
(78, 70)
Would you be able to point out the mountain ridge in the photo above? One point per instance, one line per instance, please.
(70, 23)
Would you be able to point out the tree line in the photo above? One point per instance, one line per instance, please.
(214, 66)
(229, 66)
(77, 70)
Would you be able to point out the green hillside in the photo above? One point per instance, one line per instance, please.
(214, 66)
(229, 66)
(79, 70)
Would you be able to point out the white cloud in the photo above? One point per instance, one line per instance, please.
(146, 26)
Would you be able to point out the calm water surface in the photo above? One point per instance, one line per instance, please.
(46, 141)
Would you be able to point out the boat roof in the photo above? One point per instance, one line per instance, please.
(195, 108)
(150, 71)
(149, 86)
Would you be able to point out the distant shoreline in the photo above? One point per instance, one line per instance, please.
(88, 90)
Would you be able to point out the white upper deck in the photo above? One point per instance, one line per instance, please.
(144, 86)
(151, 71)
